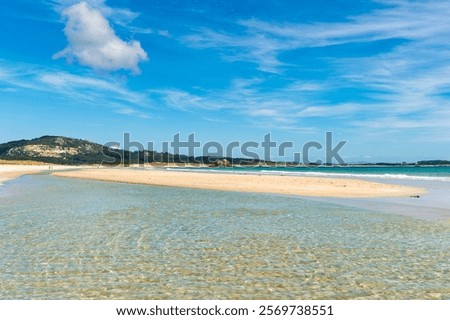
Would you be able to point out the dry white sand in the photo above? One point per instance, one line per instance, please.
(287, 185)
(11, 171)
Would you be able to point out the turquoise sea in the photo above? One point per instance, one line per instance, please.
(422, 173)
(77, 239)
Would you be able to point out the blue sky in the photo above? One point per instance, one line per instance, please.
(376, 74)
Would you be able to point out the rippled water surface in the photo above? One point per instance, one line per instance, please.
(75, 239)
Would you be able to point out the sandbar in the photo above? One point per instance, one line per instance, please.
(8, 172)
(12, 171)
(238, 182)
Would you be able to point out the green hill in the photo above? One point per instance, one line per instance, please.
(63, 150)
(69, 151)
(54, 149)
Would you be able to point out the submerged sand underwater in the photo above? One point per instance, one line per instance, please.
(81, 239)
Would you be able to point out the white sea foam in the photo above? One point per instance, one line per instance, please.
(360, 175)
(321, 174)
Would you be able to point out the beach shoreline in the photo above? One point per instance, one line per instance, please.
(13, 171)
(413, 198)
(270, 184)
(10, 172)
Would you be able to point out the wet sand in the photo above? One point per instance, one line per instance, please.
(12, 171)
(8, 172)
(432, 205)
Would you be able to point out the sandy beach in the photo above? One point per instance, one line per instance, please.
(12, 171)
(8, 172)
(286, 185)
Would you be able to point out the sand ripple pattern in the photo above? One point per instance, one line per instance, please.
(75, 239)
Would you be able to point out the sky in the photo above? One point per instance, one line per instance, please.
(374, 73)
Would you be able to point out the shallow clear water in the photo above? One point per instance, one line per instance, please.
(76, 239)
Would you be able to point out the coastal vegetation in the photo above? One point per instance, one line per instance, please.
(70, 151)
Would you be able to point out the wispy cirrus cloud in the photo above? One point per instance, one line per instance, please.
(262, 42)
(90, 87)
(243, 98)
(95, 91)
(405, 82)
(258, 48)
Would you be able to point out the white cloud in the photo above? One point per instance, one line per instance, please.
(335, 111)
(131, 112)
(164, 33)
(93, 42)
(120, 16)
(256, 48)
